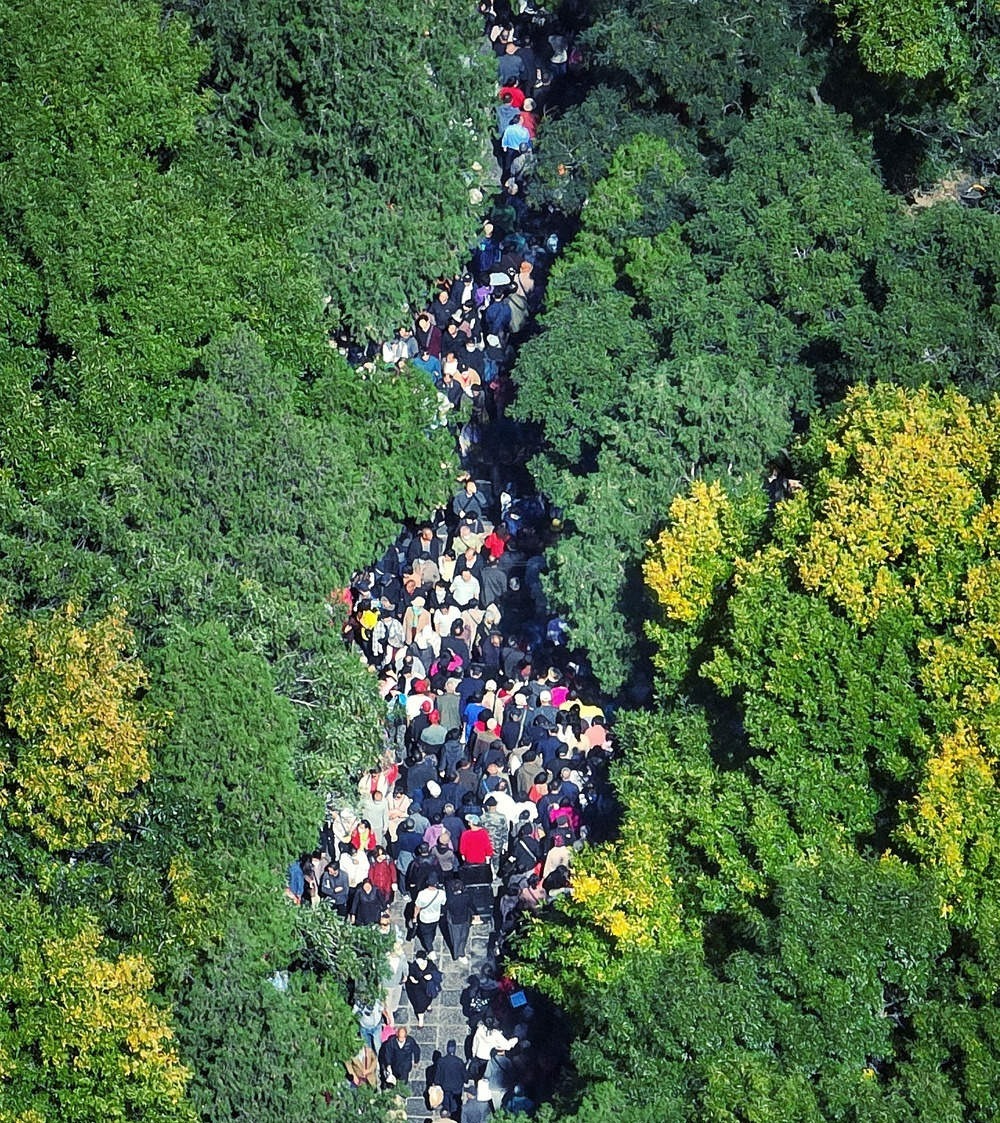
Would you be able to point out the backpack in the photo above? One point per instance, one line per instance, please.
(486, 255)
(433, 987)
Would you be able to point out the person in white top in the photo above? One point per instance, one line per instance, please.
(355, 864)
(465, 589)
(505, 804)
(427, 907)
(487, 1038)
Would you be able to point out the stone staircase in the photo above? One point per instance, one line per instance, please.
(444, 1020)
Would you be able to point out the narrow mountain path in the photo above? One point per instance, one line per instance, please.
(522, 695)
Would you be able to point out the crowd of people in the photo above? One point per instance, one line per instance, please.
(495, 753)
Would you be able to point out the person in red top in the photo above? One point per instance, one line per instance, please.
(529, 118)
(382, 873)
(540, 787)
(496, 541)
(516, 95)
(475, 846)
(428, 334)
(363, 837)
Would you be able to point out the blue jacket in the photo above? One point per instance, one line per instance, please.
(514, 136)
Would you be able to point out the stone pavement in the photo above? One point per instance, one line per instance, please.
(445, 1019)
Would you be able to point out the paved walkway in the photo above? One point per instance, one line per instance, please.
(444, 1020)
(496, 450)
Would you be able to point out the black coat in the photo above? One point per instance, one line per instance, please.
(400, 1059)
(450, 1073)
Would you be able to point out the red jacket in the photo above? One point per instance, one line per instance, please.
(383, 877)
(495, 544)
(370, 842)
(475, 846)
(516, 95)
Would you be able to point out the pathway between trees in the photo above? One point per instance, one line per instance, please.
(497, 759)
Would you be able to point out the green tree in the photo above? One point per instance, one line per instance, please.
(380, 112)
(708, 316)
(180, 439)
(702, 317)
(259, 497)
(577, 145)
(806, 872)
(129, 241)
(259, 1041)
(200, 888)
(80, 1035)
(910, 39)
(711, 62)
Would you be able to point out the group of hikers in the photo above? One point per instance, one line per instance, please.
(495, 759)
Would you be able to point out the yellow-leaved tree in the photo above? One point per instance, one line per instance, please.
(75, 744)
(850, 643)
(903, 504)
(694, 555)
(79, 1038)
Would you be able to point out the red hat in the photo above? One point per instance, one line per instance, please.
(435, 717)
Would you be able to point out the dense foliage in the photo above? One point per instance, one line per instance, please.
(797, 921)
(708, 316)
(378, 113)
(187, 469)
(78, 1028)
(801, 912)
(801, 916)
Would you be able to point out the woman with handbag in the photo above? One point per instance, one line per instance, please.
(423, 984)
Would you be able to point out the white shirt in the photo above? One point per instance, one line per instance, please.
(464, 589)
(430, 901)
(486, 1040)
(356, 868)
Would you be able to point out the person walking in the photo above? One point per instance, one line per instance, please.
(367, 906)
(423, 985)
(362, 1068)
(499, 1075)
(474, 1109)
(458, 914)
(334, 887)
(396, 961)
(449, 1075)
(488, 1038)
(398, 1056)
(383, 874)
(427, 906)
(369, 1015)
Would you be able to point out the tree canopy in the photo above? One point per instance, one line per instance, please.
(378, 114)
(79, 1031)
(805, 875)
(195, 197)
(76, 744)
(708, 316)
(187, 470)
